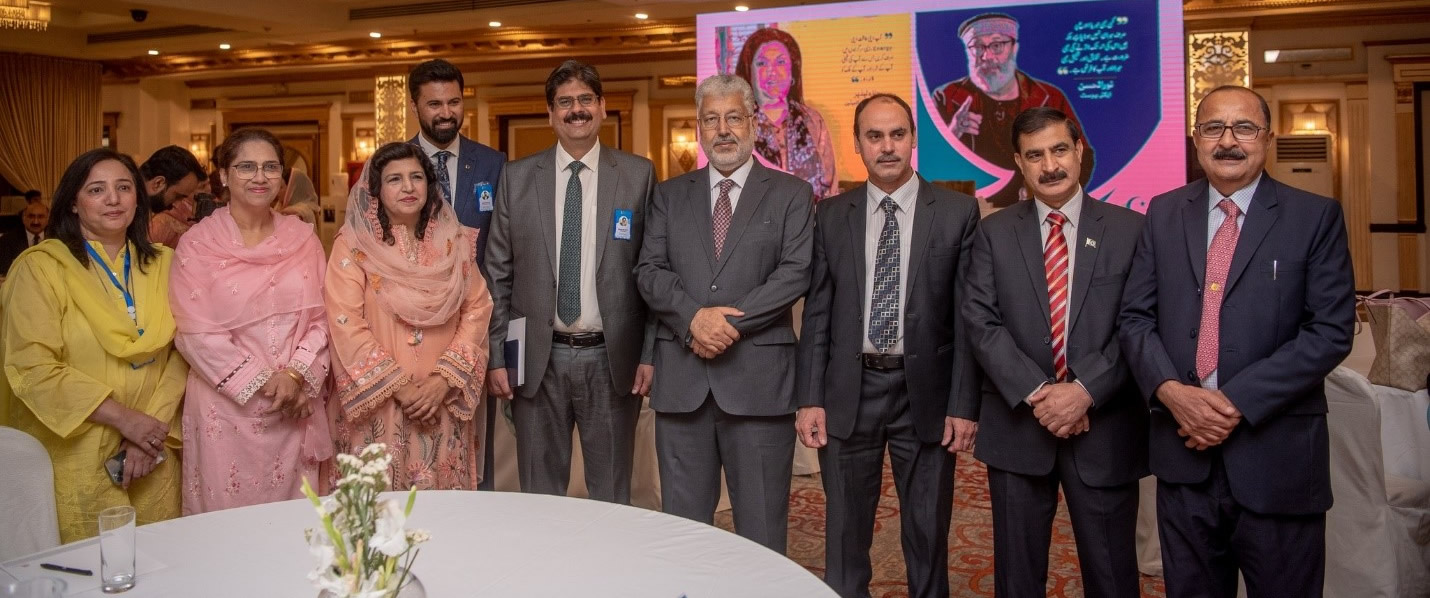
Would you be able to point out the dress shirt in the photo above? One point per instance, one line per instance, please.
(1215, 217)
(590, 320)
(1072, 211)
(905, 197)
(455, 148)
(740, 175)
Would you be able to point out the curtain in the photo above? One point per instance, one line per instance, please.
(50, 113)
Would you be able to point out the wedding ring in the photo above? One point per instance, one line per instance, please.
(154, 443)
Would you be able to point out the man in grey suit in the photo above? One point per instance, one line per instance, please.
(1059, 404)
(889, 262)
(726, 255)
(565, 237)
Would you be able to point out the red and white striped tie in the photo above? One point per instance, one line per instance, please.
(1055, 265)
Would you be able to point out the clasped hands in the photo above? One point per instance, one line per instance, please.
(422, 398)
(711, 333)
(1062, 408)
(1206, 417)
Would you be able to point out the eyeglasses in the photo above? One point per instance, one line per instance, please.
(734, 121)
(586, 100)
(248, 170)
(997, 47)
(1241, 131)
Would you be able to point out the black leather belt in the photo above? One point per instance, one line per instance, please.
(881, 361)
(579, 339)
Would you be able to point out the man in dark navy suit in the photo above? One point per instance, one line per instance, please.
(467, 171)
(1239, 301)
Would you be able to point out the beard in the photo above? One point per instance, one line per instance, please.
(993, 77)
(439, 136)
(731, 160)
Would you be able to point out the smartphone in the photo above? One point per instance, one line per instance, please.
(115, 466)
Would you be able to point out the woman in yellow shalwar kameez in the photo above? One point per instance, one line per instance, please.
(87, 341)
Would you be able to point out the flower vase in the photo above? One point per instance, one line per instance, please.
(411, 588)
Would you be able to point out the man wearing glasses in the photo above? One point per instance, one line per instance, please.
(565, 237)
(1239, 301)
(727, 253)
(979, 109)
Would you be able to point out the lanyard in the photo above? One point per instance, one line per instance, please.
(123, 288)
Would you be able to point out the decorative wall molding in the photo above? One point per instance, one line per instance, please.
(1216, 58)
(389, 107)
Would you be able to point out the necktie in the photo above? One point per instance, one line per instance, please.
(34, 239)
(1218, 264)
(568, 287)
(443, 178)
(884, 305)
(1055, 267)
(720, 218)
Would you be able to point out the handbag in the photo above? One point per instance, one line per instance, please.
(1400, 327)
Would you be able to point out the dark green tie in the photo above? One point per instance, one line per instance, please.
(568, 288)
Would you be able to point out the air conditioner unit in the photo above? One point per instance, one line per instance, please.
(1306, 162)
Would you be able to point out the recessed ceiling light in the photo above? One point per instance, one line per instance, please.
(374, 34)
(741, 8)
(494, 24)
(224, 47)
(153, 52)
(642, 16)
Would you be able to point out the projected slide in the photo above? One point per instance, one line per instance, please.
(967, 68)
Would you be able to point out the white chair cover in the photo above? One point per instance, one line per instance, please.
(27, 496)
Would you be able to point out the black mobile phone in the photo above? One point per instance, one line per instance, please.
(115, 467)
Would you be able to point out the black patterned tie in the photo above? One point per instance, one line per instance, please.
(568, 287)
(884, 307)
(443, 178)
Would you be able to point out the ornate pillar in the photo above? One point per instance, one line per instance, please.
(1216, 58)
(389, 108)
(1357, 204)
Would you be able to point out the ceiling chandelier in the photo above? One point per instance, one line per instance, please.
(24, 14)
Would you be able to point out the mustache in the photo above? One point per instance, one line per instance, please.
(1228, 153)
(581, 115)
(1052, 177)
(439, 121)
(886, 158)
(725, 138)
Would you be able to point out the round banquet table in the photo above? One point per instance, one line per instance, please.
(483, 544)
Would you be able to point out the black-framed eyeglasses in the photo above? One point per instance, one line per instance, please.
(248, 170)
(997, 47)
(586, 100)
(1241, 131)
(732, 120)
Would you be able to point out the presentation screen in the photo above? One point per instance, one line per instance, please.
(967, 68)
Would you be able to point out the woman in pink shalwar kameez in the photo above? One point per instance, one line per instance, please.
(247, 297)
(408, 310)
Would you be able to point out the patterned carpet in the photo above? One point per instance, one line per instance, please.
(970, 540)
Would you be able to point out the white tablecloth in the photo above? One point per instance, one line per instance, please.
(483, 544)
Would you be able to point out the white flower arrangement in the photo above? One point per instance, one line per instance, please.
(362, 538)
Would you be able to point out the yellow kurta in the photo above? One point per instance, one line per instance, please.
(68, 343)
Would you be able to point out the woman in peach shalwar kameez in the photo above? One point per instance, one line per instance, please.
(408, 316)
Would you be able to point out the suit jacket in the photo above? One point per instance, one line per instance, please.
(12, 243)
(522, 262)
(1286, 321)
(762, 271)
(938, 366)
(476, 164)
(1009, 325)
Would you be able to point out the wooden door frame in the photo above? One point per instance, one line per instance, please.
(316, 114)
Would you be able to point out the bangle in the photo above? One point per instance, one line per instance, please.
(295, 376)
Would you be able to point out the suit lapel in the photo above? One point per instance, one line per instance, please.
(858, 214)
(1030, 244)
(1194, 225)
(699, 205)
(608, 178)
(924, 216)
(1257, 224)
(755, 186)
(545, 181)
(1090, 230)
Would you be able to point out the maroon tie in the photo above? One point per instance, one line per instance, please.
(1055, 266)
(1218, 264)
(720, 219)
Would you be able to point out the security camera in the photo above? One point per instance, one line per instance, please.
(138, 14)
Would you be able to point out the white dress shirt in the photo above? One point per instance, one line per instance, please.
(590, 320)
(740, 175)
(906, 198)
(1215, 217)
(454, 148)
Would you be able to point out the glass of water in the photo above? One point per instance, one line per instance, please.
(116, 549)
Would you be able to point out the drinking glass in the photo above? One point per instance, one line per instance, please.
(116, 549)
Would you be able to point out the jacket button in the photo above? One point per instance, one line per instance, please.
(1047, 340)
(714, 287)
(551, 322)
(1192, 376)
(1194, 333)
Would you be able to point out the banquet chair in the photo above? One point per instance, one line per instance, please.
(1378, 531)
(27, 496)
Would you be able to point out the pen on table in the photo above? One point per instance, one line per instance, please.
(54, 567)
(1273, 269)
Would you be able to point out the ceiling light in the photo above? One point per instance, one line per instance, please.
(374, 34)
(741, 8)
(494, 24)
(642, 16)
(224, 47)
(153, 52)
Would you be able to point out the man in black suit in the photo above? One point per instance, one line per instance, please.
(1239, 302)
(35, 217)
(1059, 405)
(889, 262)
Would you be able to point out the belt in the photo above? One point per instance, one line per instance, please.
(882, 361)
(579, 339)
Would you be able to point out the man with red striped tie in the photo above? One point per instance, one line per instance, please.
(1060, 408)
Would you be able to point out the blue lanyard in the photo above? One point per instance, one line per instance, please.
(124, 288)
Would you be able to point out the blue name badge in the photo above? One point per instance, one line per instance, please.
(483, 191)
(621, 225)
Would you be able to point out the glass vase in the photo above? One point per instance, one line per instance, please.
(411, 588)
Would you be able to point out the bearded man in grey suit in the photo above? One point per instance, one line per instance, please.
(726, 255)
(565, 236)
